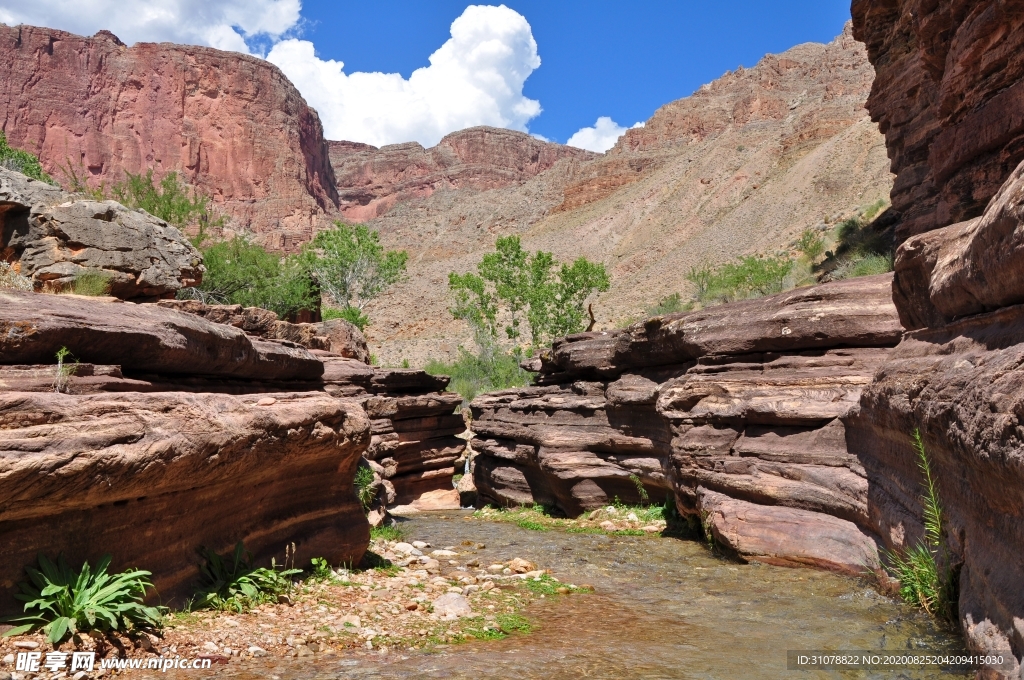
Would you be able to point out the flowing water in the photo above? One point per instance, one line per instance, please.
(663, 608)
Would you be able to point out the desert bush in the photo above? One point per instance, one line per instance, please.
(353, 315)
(670, 304)
(751, 276)
(234, 583)
(12, 280)
(863, 266)
(811, 244)
(170, 200)
(21, 161)
(534, 298)
(474, 374)
(62, 602)
(363, 483)
(92, 282)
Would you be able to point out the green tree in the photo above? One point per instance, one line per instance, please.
(525, 292)
(811, 244)
(352, 267)
(21, 161)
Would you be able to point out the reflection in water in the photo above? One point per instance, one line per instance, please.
(664, 608)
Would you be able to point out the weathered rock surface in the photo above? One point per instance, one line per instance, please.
(151, 477)
(948, 96)
(230, 124)
(140, 338)
(738, 411)
(372, 180)
(52, 238)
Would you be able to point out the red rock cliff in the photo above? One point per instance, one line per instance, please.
(372, 180)
(230, 124)
(949, 97)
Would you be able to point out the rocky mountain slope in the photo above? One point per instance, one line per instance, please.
(230, 124)
(743, 165)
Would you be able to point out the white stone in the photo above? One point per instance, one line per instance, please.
(452, 606)
(420, 545)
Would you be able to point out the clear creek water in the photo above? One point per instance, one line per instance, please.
(663, 608)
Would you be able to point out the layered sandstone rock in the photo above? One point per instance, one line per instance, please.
(738, 412)
(372, 180)
(149, 478)
(52, 238)
(948, 96)
(230, 124)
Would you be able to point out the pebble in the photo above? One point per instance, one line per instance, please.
(420, 545)
(266, 401)
(451, 606)
(443, 553)
(4, 675)
(9, 659)
(351, 620)
(26, 644)
(257, 651)
(521, 566)
(632, 517)
(210, 646)
(79, 675)
(496, 568)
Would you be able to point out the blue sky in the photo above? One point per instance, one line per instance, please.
(390, 71)
(599, 58)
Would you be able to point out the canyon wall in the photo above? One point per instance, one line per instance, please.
(738, 413)
(371, 180)
(229, 124)
(743, 165)
(949, 96)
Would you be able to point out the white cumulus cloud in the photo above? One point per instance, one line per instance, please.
(475, 78)
(223, 24)
(600, 137)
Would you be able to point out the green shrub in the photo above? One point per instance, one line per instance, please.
(21, 161)
(474, 374)
(811, 245)
(926, 576)
(353, 315)
(93, 282)
(670, 304)
(364, 486)
(12, 280)
(387, 533)
(61, 602)
(320, 570)
(171, 201)
(863, 266)
(751, 276)
(234, 583)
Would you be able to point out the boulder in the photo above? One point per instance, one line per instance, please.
(150, 478)
(344, 338)
(141, 339)
(54, 237)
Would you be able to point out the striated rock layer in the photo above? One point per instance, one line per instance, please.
(737, 412)
(230, 124)
(949, 96)
(957, 378)
(173, 429)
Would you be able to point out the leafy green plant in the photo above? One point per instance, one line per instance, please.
(925, 573)
(387, 533)
(527, 523)
(535, 298)
(811, 245)
(641, 491)
(670, 304)
(61, 602)
(353, 315)
(351, 266)
(170, 200)
(92, 282)
(473, 374)
(21, 161)
(365, 490)
(64, 370)
(12, 280)
(320, 569)
(234, 583)
(868, 265)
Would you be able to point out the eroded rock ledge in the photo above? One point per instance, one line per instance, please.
(174, 431)
(738, 412)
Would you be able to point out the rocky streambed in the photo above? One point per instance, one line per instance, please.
(662, 608)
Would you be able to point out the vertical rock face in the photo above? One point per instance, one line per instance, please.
(949, 97)
(230, 124)
(738, 412)
(371, 180)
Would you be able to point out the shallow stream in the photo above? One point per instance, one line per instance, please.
(663, 608)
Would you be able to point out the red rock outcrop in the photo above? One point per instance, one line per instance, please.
(739, 412)
(372, 180)
(229, 124)
(948, 96)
